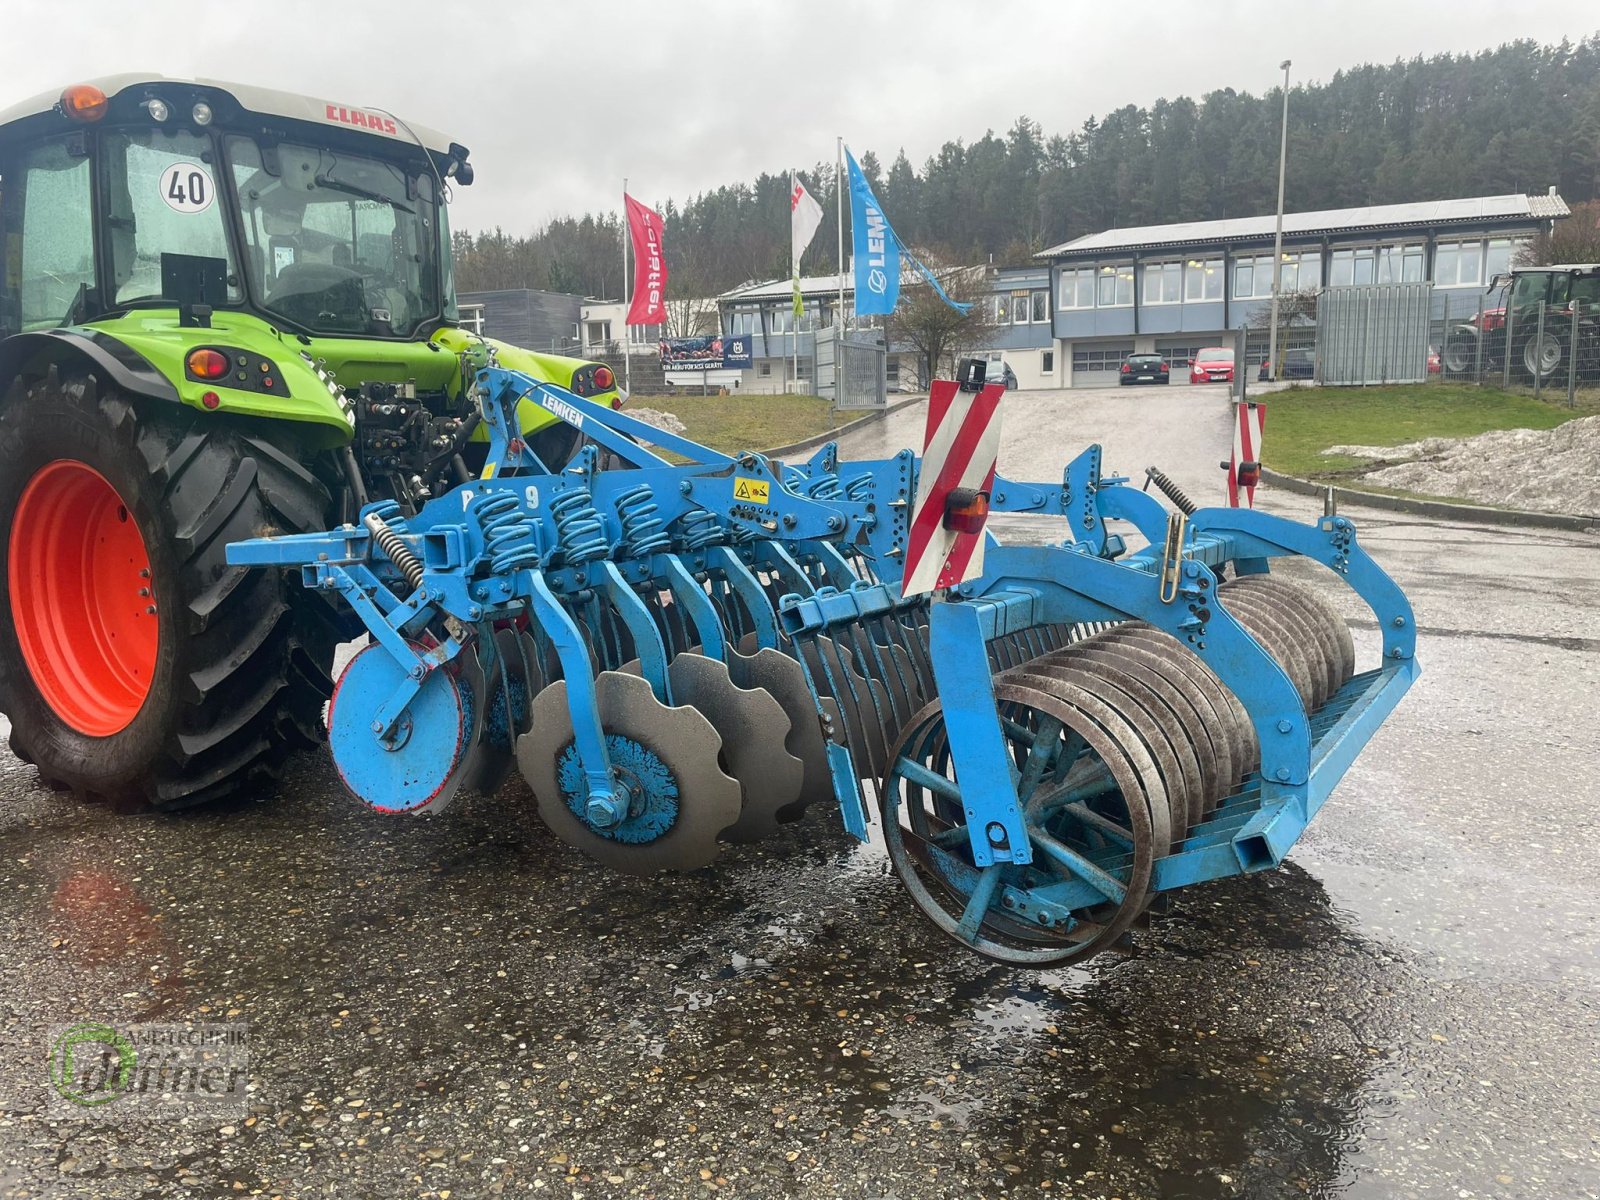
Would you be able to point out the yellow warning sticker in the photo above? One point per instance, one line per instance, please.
(488, 470)
(751, 491)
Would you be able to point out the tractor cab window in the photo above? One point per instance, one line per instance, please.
(47, 260)
(337, 242)
(161, 204)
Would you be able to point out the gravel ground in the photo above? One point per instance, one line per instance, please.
(461, 1007)
(1545, 470)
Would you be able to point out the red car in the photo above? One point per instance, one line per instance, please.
(1212, 365)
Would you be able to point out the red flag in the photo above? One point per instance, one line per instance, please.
(649, 305)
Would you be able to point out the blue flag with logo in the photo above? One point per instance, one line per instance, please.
(878, 252)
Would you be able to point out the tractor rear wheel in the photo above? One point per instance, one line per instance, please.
(136, 665)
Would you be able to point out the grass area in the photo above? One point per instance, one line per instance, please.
(730, 423)
(1302, 422)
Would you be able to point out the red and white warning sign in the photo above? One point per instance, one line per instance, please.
(1244, 469)
(959, 450)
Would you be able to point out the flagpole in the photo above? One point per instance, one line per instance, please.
(840, 184)
(794, 271)
(627, 359)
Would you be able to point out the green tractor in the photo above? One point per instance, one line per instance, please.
(225, 312)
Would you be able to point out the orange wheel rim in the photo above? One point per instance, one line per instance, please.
(81, 598)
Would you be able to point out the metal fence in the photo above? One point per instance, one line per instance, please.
(1551, 350)
(851, 369)
(1373, 334)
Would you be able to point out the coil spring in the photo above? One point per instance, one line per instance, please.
(700, 529)
(581, 532)
(859, 489)
(385, 522)
(643, 532)
(1171, 490)
(824, 487)
(508, 538)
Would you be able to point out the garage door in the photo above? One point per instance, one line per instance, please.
(1096, 365)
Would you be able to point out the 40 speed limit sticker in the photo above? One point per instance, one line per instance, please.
(187, 188)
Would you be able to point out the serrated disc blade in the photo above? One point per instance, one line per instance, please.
(685, 801)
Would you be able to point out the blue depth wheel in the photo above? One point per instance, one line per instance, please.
(417, 768)
(1087, 802)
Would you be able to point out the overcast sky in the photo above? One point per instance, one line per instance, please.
(558, 102)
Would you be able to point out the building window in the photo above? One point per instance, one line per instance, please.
(1106, 357)
(1500, 255)
(1163, 283)
(599, 331)
(764, 368)
(644, 335)
(1047, 362)
(1474, 263)
(1077, 288)
(1114, 287)
(1178, 354)
(1301, 271)
(1400, 264)
(1202, 279)
(1000, 310)
(744, 322)
(1039, 306)
(1020, 310)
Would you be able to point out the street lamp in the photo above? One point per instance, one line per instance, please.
(1277, 239)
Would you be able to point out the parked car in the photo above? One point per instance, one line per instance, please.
(1297, 364)
(1144, 368)
(1212, 365)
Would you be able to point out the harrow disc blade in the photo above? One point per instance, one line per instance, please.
(420, 768)
(487, 762)
(782, 678)
(506, 712)
(680, 801)
(753, 727)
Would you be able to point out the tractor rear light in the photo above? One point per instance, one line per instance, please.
(205, 363)
(1249, 474)
(83, 102)
(210, 399)
(603, 378)
(965, 510)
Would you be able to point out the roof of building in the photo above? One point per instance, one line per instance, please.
(776, 289)
(1332, 220)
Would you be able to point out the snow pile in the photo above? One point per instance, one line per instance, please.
(661, 420)
(1546, 470)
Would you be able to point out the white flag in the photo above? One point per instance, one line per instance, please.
(805, 214)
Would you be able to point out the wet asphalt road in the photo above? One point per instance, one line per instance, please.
(463, 1007)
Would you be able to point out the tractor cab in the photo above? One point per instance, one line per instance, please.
(139, 192)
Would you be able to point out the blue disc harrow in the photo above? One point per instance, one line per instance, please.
(681, 654)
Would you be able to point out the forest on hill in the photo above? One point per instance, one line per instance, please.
(1518, 118)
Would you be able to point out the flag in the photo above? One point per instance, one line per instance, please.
(805, 215)
(878, 251)
(649, 305)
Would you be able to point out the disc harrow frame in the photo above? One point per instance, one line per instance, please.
(1049, 745)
